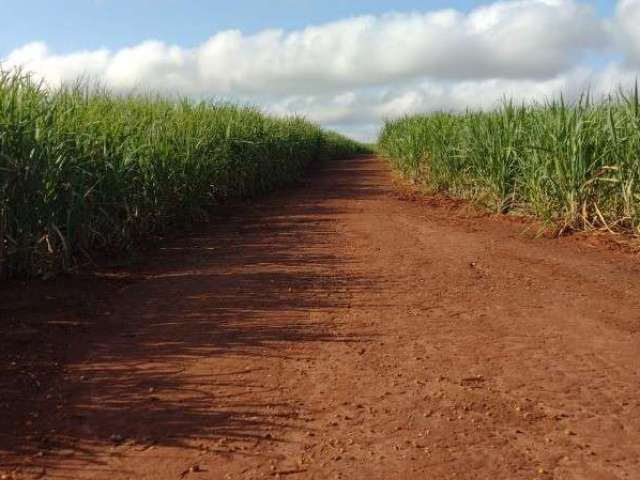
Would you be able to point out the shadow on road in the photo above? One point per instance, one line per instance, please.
(133, 349)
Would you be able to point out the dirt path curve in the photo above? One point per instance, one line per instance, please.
(338, 331)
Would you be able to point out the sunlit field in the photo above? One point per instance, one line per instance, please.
(85, 170)
(575, 165)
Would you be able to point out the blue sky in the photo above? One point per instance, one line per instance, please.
(87, 24)
(328, 62)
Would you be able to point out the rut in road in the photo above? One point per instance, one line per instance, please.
(338, 331)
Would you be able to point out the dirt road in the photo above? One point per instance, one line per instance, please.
(338, 330)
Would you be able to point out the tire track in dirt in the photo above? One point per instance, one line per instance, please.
(338, 331)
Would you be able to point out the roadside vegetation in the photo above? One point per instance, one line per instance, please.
(84, 170)
(575, 165)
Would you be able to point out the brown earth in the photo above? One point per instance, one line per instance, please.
(335, 330)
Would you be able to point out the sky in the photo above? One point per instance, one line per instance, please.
(348, 65)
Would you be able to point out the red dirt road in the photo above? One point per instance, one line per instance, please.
(332, 331)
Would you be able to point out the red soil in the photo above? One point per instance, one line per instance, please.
(335, 330)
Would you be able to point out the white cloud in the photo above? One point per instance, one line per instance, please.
(354, 72)
(516, 39)
(627, 28)
(368, 107)
(55, 69)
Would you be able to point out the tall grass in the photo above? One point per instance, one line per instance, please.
(576, 165)
(84, 170)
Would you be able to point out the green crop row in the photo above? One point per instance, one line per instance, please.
(83, 170)
(575, 165)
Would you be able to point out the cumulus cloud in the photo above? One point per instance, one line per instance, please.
(360, 112)
(354, 72)
(627, 29)
(56, 69)
(516, 39)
